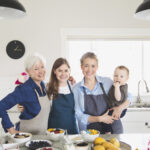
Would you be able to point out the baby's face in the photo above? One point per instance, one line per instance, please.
(121, 76)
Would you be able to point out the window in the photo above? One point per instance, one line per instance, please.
(112, 53)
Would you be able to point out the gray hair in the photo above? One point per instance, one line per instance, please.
(33, 60)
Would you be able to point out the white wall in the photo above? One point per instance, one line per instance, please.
(40, 29)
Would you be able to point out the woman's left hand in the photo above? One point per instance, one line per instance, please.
(20, 108)
(72, 80)
(117, 112)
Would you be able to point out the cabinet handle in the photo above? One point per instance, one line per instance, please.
(147, 124)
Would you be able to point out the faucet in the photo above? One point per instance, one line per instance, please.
(139, 100)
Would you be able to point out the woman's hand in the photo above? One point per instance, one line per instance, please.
(12, 130)
(72, 80)
(106, 118)
(20, 108)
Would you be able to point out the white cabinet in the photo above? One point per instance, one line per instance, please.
(136, 121)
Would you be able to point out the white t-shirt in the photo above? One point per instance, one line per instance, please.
(64, 90)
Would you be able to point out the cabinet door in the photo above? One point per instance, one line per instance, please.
(135, 127)
(136, 122)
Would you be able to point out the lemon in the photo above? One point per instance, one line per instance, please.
(99, 140)
(110, 146)
(115, 142)
(99, 147)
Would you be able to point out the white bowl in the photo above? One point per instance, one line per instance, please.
(87, 137)
(82, 146)
(34, 142)
(21, 139)
(14, 146)
(55, 136)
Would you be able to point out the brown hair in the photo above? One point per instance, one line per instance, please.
(88, 55)
(53, 85)
(123, 68)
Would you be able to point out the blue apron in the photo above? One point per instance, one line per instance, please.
(63, 114)
(96, 105)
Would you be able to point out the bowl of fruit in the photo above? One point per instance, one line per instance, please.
(21, 137)
(90, 135)
(55, 134)
(39, 144)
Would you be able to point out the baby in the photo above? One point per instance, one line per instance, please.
(118, 92)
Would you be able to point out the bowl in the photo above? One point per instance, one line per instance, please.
(55, 134)
(45, 148)
(36, 144)
(14, 146)
(21, 137)
(90, 135)
(82, 146)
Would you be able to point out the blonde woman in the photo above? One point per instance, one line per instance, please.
(91, 99)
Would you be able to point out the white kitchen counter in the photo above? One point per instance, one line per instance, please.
(131, 109)
(139, 141)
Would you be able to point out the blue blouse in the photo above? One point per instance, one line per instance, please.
(79, 98)
(24, 95)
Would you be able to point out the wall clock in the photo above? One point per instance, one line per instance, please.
(15, 49)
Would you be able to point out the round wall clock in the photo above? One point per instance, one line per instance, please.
(15, 49)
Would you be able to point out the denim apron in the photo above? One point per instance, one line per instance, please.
(96, 105)
(62, 113)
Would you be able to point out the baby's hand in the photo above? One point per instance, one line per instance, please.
(117, 84)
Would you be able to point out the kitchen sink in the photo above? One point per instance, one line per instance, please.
(140, 105)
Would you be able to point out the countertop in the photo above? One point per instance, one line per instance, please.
(139, 141)
(133, 109)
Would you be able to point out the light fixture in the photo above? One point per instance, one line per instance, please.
(11, 9)
(143, 11)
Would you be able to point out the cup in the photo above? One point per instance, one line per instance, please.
(82, 146)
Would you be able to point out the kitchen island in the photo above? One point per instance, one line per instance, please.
(139, 141)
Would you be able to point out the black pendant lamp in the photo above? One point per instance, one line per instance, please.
(11, 9)
(143, 11)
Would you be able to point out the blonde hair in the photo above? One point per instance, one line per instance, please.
(33, 60)
(88, 55)
(121, 67)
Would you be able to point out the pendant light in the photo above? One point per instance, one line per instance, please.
(11, 9)
(143, 11)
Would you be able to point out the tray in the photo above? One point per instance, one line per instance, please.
(123, 146)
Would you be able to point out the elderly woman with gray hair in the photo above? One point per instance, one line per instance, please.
(32, 96)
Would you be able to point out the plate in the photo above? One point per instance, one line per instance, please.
(75, 138)
(46, 148)
(123, 146)
(29, 142)
(10, 146)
